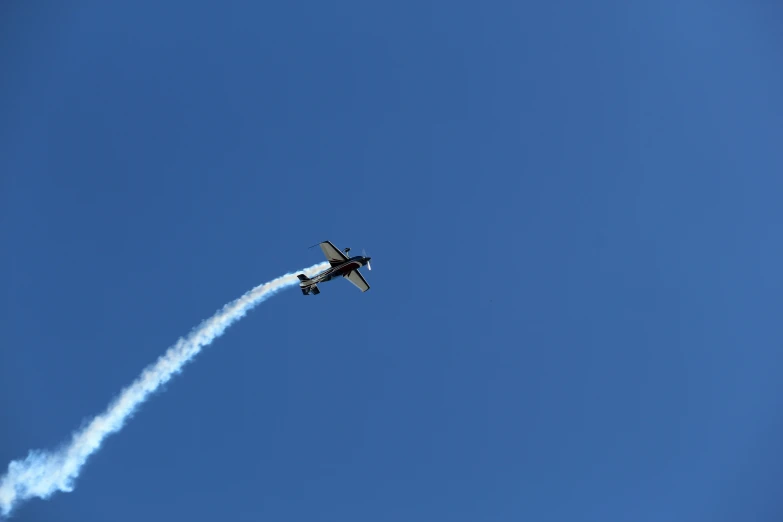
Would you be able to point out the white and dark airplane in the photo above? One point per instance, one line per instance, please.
(342, 265)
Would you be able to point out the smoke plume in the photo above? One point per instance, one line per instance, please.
(43, 473)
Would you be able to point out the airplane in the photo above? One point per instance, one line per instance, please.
(342, 265)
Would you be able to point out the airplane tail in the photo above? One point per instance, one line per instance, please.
(307, 289)
(312, 289)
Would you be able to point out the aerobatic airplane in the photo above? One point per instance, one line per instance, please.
(341, 266)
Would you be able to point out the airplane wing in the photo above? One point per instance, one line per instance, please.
(332, 253)
(356, 278)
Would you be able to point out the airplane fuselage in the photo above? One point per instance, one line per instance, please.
(340, 270)
(340, 265)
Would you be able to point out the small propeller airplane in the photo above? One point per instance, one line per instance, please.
(342, 265)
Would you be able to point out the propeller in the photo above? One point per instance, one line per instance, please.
(364, 254)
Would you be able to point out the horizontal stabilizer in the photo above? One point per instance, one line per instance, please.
(309, 289)
(302, 277)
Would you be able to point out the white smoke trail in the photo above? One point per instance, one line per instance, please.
(43, 473)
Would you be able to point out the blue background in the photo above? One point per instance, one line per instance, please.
(574, 212)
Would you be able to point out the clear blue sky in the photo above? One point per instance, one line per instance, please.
(574, 212)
